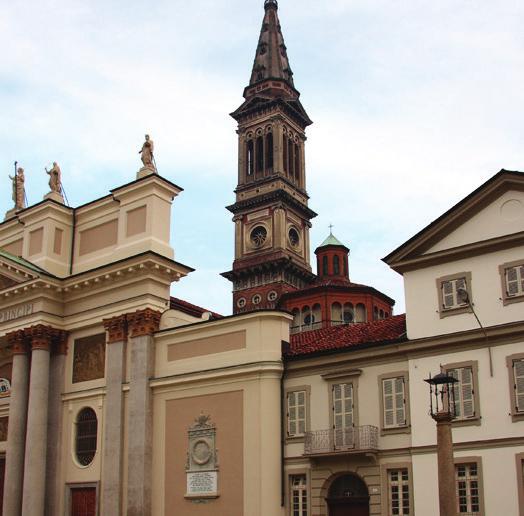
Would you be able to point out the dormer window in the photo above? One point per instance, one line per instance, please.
(454, 294)
(512, 275)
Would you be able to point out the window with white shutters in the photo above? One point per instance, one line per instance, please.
(343, 415)
(514, 278)
(518, 386)
(298, 495)
(464, 392)
(296, 413)
(451, 297)
(398, 490)
(394, 402)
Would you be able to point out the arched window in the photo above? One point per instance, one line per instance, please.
(317, 315)
(381, 314)
(360, 313)
(269, 151)
(260, 154)
(336, 265)
(291, 161)
(297, 162)
(86, 436)
(307, 316)
(250, 162)
(348, 315)
(336, 314)
(375, 313)
(284, 147)
(325, 265)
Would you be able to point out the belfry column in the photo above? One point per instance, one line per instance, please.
(54, 426)
(36, 435)
(114, 415)
(142, 325)
(14, 473)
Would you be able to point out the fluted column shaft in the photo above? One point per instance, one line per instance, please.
(36, 437)
(14, 472)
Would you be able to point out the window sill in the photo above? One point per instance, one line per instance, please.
(472, 421)
(513, 299)
(406, 429)
(517, 416)
(297, 439)
(454, 311)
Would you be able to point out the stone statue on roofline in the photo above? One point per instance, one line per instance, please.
(55, 178)
(147, 157)
(18, 184)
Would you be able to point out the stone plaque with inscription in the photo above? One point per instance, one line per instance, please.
(202, 460)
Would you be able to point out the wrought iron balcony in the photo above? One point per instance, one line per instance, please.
(357, 439)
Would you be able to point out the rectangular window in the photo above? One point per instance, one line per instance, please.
(467, 485)
(298, 495)
(296, 413)
(394, 402)
(514, 280)
(451, 293)
(464, 392)
(343, 420)
(398, 492)
(518, 385)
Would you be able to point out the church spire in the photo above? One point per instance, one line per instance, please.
(271, 60)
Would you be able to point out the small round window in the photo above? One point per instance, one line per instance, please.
(294, 237)
(86, 436)
(257, 299)
(272, 296)
(241, 302)
(258, 236)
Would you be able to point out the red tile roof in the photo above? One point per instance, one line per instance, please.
(191, 309)
(392, 329)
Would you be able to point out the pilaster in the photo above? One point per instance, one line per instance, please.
(142, 324)
(116, 329)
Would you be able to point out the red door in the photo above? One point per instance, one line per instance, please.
(83, 501)
(2, 476)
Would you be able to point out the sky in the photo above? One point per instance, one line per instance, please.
(415, 104)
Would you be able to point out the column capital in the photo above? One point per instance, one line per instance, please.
(116, 328)
(143, 322)
(17, 340)
(60, 342)
(40, 337)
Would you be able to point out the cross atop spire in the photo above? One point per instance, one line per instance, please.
(270, 3)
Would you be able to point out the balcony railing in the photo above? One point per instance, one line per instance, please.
(343, 440)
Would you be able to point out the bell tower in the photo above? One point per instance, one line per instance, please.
(271, 213)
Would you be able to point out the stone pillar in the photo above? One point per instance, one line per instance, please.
(14, 472)
(36, 436)
(114, 416)
(54, 486)
(142, 325)
(446, 465)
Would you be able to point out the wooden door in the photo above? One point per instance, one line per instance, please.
(348, 508)
(83, 501)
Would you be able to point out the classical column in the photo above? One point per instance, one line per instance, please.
(36, 435)
(446, 466)
(14, 472)
(114, 416)
(142, 325)
(54, 486)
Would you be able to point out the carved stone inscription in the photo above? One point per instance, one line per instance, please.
(89, 358)
(16, 313)
(202, 460)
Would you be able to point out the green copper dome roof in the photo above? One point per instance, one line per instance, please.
(331, 240)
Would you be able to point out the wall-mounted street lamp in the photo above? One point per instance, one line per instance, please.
(442, 410)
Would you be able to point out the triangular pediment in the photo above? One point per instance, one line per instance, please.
(15, 270)
(492, 214)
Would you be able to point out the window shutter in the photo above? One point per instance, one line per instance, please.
(343, 405)
(447, 294)
(468, 402)
(301, 407)
(518, 371)
(387, 389)
(291, 414)
(400, 408)
(296, 413)
(512, 281)
(522, 279)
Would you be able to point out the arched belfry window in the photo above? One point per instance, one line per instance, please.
(336, 265)
(250, 158)
(269, 151)
(284, 147)
(325, 265)
(260, 154)
(297, 162)
(86, 436)
(291, 168)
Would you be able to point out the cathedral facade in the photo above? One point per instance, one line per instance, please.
(118, 399)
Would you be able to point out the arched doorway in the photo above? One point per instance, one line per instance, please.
(348, 496)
